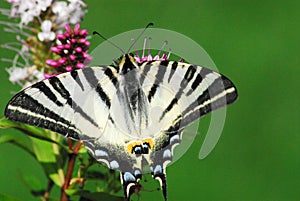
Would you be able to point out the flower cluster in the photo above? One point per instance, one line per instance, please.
(71, 49)
(63, 12)
(36, 24)
(28, 10)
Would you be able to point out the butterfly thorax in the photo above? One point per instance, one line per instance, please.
(131, 98)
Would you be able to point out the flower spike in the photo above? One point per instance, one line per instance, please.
(72, 50)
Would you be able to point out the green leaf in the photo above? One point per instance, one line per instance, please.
(29, 130)
(7, 198)
(9, 138)
(33, 184)
(5, 123)
(43, 150)
(94, 196)
(46, 147)
(33, 131)
(49, 156)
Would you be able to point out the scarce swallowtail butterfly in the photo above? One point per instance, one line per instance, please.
(129, 116)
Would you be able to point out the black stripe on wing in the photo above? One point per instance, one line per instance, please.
(174, 67)
(59, 87)
(217, 88)
(108, 72)
(189, 75)
(200, 76)
(158, 79)
(42, 87)
(76, 78)
(219, 94)
(25, 109)
(94, 83)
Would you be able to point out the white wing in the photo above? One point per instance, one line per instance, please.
(179, 94)
(66, 103)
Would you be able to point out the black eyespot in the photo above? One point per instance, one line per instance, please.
(137, 149)
(145, 148)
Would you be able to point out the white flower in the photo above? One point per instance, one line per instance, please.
(43, 4)
(46, 34)
(17, 75)
(77, 15)
(35, 75)
(28, 9)
(24, 76)
(60, 9)
(79, 2)
(68, 13)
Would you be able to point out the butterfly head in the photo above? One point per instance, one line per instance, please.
(126, 63)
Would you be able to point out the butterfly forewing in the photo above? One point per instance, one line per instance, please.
(63, 104)
(184, 92)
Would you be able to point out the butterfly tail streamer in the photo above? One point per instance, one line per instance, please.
(129, 182)
(161, 177)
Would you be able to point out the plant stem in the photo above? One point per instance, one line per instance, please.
(47, 192)
(70, 168)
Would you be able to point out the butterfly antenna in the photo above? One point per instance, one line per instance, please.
(148, 25)
(144, 47)
(164, 44)
(96, 33)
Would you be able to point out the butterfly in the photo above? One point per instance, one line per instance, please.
(129, 116)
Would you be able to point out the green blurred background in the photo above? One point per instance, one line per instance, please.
(256, 44)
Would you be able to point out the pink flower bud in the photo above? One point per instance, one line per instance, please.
(67, 35)
(73, 40)
(69, 68)
(87, 43)
(55, 50)
(83, 32)
(82, 40)
(62, 60)
(60, 47)
(60, 37)
(72, 57)
(79, 65)
(76, 29)
(78, 49)
(67, 46)
(68, 28)
(53, 63)
(46, 76)
(85, 55)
